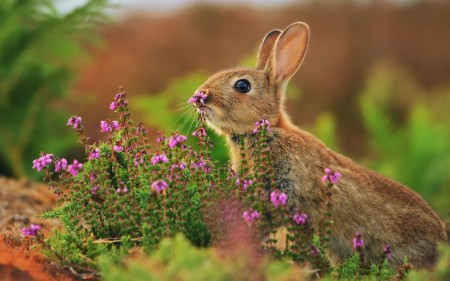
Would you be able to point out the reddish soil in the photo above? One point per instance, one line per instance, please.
(22, 202)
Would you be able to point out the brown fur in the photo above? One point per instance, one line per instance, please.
(385, 211)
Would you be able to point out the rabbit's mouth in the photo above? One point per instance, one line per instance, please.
(204, 110)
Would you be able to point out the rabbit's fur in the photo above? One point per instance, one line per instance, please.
(383, 210)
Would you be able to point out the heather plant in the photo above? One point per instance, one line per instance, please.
(126, 195)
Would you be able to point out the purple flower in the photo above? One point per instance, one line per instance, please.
(141, 130)
(198, 164)
(300, 219)
(263, 123)
(94, 189)
(119, 101)
(198, 98)
(139, 158)
(358, 242)
(42, 161)
(180, 166)
(387, 252)
(60, 165)
(74, 167)
(122, 188)
(331, 176)
(118, 148)
(278, 198)
(314, 251)
(32, 230)
(74, 122)
(250, 216)
(108, 127)
(243, 184)
(92, 176)
(159, 186)
(95, 154)
(161, 138)
(113, 106)
(176, 139)
(159, 158)
(201, 132)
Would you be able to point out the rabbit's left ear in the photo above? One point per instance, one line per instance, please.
(265, 50)
(288, 52)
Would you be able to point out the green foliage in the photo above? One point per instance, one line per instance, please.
(350, 269)
(177, 259)
(37, 50)
(415, 152)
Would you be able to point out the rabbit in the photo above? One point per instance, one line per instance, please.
(383, 210)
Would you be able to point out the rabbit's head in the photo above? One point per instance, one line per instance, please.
(237, 98)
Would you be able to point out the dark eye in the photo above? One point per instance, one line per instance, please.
(242, 86)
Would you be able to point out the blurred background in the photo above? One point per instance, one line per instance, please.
(375, 84)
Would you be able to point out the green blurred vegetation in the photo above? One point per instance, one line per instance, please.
(407, 127)
(408, 135)
(177, 259)
(39, 47)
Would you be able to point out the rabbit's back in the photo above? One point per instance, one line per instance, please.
(385, 211)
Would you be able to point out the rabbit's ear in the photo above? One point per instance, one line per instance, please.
(289, 51)
(265, 50)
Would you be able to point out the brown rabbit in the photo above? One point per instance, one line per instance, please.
(385, 211)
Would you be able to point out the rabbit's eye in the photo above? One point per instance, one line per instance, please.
(242, 86)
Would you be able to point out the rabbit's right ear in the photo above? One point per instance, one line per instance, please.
(265, 50)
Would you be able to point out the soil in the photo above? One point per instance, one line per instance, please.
(21, 203)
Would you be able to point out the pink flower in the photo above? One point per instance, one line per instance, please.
(74, 167)
(32, 230)
(95, 154)
(180, 166)
(198, 98)
(263, 123)
(118, 148)
(92, 176)
(42, 161)
(387, 252)
(250, 216)
(139, 158)
(278, 198)
(159, 186)
(141, 130)
(113, 106)
(243, 184)
(314, 251)
(159, 158)
(122, 188)
(176, 139)
(331, 176)
(300, 219)
(108, 127)
(201, 132)
(74, 122)
(94, 189)
(358, 242)
(161, 138)
(60, 165)
(198, 164)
